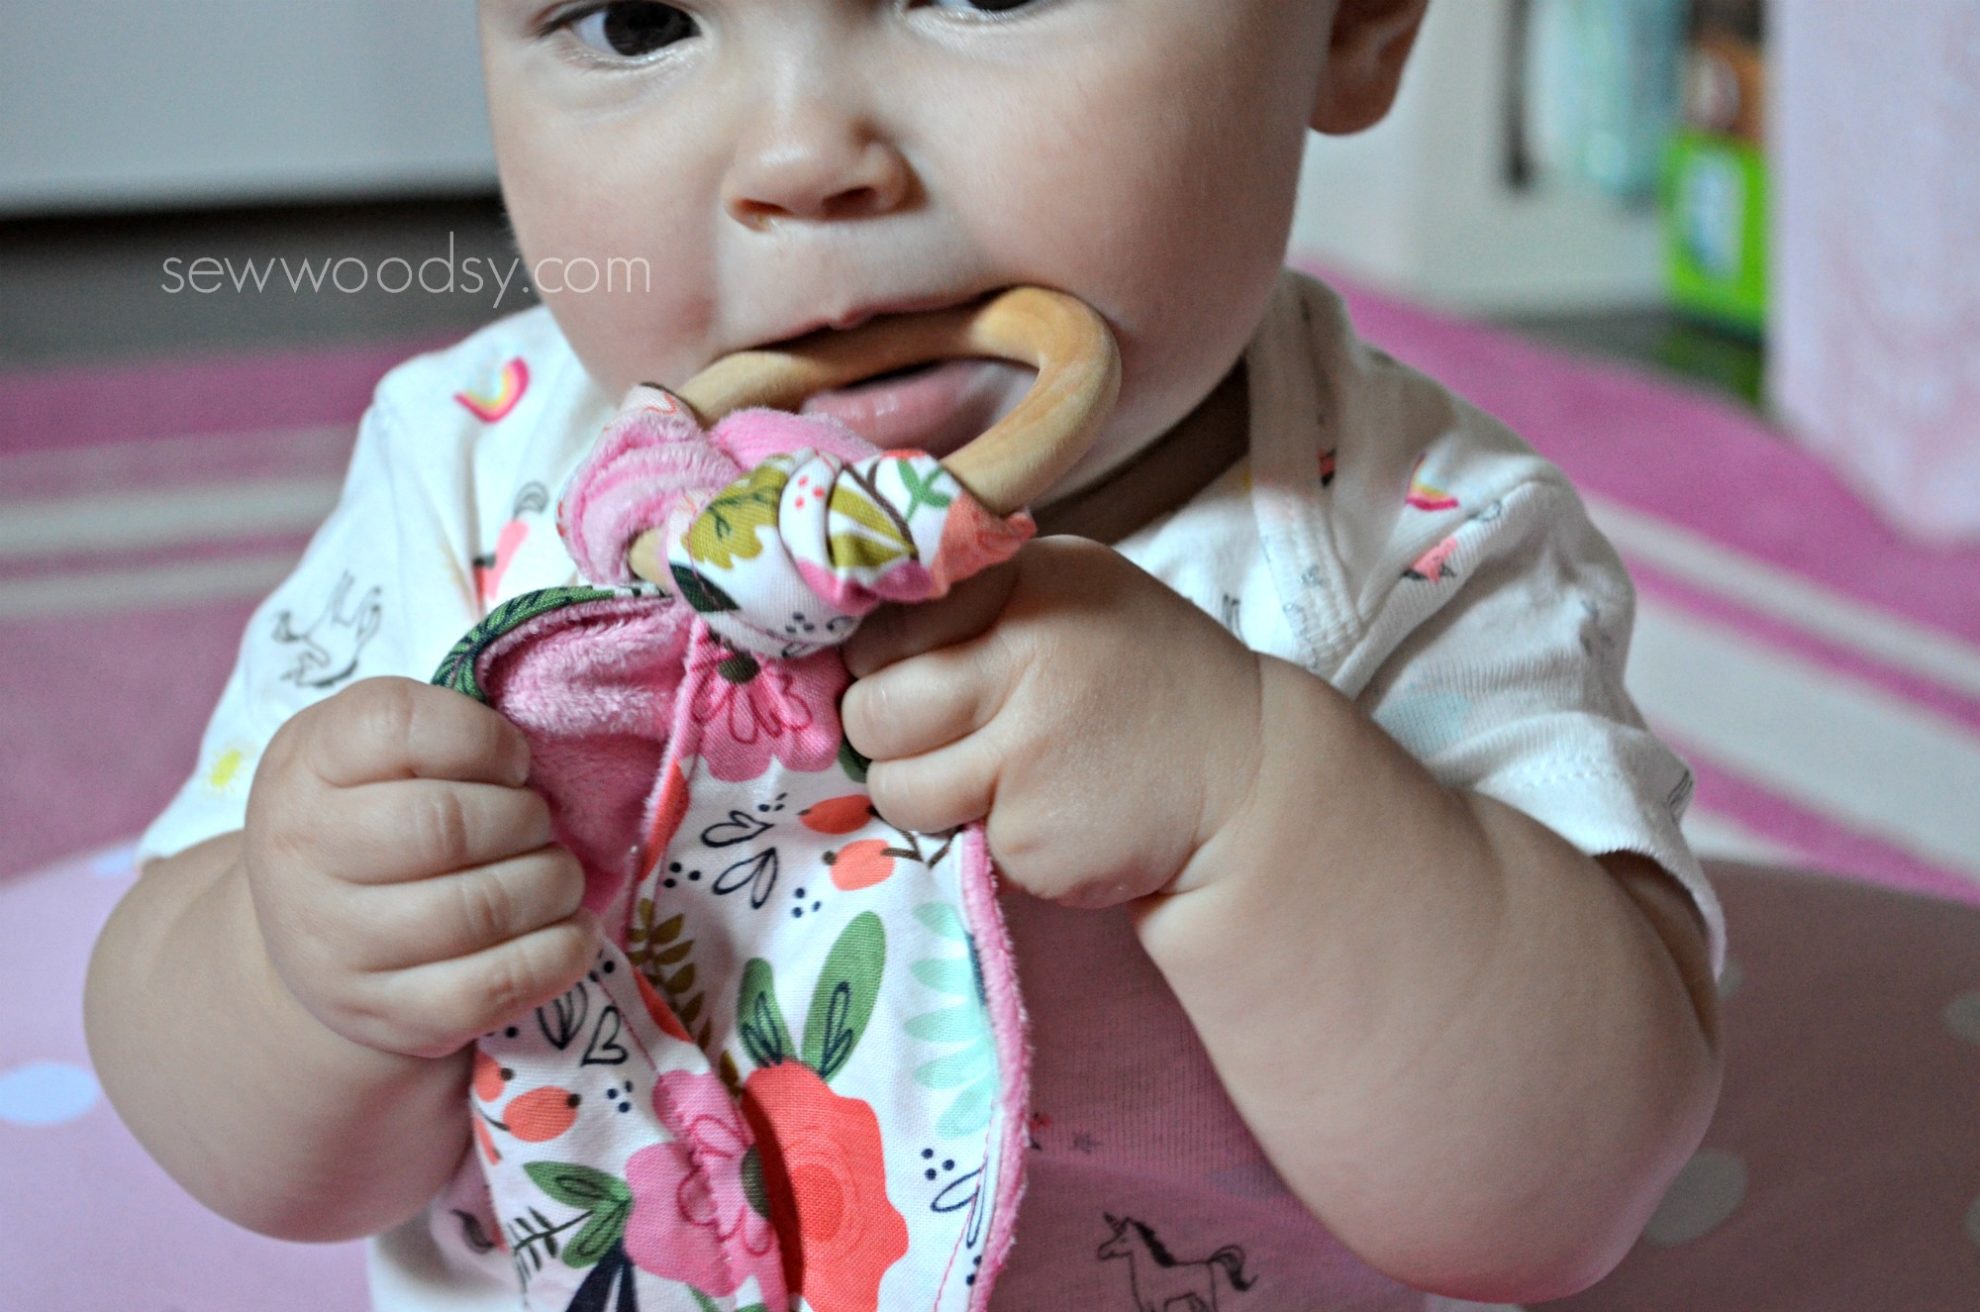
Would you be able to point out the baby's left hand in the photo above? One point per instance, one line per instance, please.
(1105, 726)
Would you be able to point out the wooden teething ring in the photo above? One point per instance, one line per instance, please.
(1017, 460)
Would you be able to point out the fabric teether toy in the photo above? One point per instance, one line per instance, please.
(795, 1077)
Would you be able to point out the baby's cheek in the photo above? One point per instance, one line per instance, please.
(622, 264)
(624, 337)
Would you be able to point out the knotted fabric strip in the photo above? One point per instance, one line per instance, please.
(786, 558)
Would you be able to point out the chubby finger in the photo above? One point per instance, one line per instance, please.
(395, 728)
(924, 702)
(894, 633)
(939, 790)
(414, 828)
(463, 912)
(439, 1008)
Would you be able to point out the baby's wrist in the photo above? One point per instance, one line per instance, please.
(1244, 812)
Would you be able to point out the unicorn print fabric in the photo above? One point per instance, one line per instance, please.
(799, 1014)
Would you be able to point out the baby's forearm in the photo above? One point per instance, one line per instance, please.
(1460, 1041)
(258, 1110)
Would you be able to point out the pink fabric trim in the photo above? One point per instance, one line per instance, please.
(1009, 1025)
(683, 741)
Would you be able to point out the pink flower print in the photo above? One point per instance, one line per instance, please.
(752, 710)
(700, 1213)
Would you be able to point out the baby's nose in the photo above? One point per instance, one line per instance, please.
(814, 162)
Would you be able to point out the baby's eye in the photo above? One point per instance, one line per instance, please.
(629, 29)
(982, 6)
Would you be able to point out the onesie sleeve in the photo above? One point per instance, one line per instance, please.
(371, 595)
(1497, 659)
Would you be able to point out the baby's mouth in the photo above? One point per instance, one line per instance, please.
(935, 406)
(892, 375)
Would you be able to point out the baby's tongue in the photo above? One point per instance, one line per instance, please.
(935, 407)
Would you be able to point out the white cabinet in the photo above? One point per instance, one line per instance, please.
(123, 103)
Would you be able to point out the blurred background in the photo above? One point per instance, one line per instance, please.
(1719, 259)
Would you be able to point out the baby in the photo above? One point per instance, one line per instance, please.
(1363, 953)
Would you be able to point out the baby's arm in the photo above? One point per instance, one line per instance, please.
(257, 1110)
(282, 1014)
(1473, 1054)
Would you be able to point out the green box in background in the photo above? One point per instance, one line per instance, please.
(1715, 229)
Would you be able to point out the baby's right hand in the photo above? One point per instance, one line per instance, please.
(405, 880)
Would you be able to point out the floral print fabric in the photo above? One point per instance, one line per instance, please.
(794, 1077)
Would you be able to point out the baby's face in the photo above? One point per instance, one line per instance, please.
(785, 164)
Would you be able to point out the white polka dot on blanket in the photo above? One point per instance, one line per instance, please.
(1705, 1193)
(1962, 1015)
(45, 1093)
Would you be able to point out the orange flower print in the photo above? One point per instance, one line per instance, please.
(838, 815)
(862, 864)
(823, 1161)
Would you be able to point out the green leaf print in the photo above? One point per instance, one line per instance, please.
(457, 668)
(701, 595)
(727, 527)
(968, 1071)
(852, 762)
(851, 551)
(848, 986)
(923, 492)
(971, 1109)
(885, 536)
(604, 1196)
(706, 1304)
(656, 947)
(949, 975)
(761, 1022)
